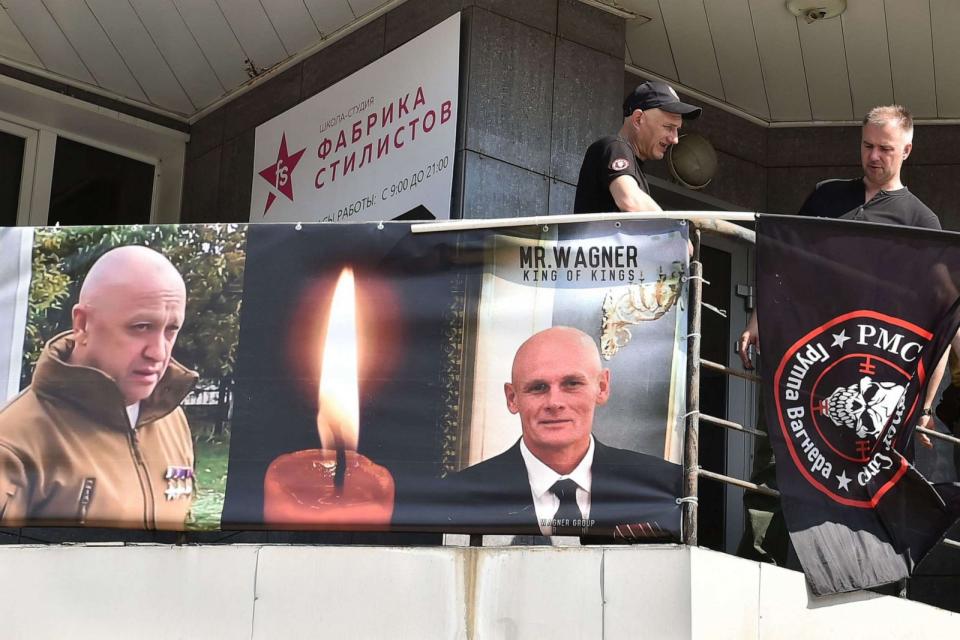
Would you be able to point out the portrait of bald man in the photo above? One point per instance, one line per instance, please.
(99, 438)
(558, 478)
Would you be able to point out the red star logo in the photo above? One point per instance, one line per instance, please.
(280, 174)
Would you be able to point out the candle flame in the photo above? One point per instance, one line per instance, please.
(338, 419)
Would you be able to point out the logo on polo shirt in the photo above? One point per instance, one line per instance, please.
(619, 164)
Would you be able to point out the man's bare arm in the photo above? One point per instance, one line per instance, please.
(630, 197)
(927, 421)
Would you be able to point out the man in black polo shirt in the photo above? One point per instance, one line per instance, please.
(887, 139)
(611, 176)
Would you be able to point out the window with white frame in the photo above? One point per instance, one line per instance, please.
(50, 179)
(66, 161)
(11, 159)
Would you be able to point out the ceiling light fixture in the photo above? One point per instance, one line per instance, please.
(816, 10)
(612, 7)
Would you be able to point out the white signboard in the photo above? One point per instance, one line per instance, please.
(371, 147)
(16, 245)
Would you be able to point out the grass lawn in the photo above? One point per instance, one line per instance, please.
(211, 453)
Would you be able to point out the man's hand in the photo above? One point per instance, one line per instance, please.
(925, 422)
(749, 338)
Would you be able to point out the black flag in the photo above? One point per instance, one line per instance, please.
(853, 319)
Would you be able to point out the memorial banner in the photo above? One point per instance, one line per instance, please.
(522, 380)
(854, 318)
(377, 145)
(113, 428)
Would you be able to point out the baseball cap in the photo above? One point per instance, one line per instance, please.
(658, 95)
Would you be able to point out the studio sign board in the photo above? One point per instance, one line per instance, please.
(523, 380)
(375, 146)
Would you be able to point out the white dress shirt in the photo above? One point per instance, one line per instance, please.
(133, 413)
(542, 477)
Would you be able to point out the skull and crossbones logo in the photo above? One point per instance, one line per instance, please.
(864, 407)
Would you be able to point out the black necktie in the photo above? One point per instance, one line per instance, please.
(567, 519)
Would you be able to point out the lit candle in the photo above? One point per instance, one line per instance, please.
(334, 487)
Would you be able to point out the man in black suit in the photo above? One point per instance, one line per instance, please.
(558, 479)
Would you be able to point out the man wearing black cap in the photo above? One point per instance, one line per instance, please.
(611, 178)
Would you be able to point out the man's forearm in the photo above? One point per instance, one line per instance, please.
(630, 197)
(639, 202)
(935, 379)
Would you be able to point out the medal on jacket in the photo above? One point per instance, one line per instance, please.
(179, 482)
(86, 497)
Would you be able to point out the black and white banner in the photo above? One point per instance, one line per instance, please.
(345, 377)
(854, 318)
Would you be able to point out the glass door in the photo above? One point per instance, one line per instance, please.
(18, 153)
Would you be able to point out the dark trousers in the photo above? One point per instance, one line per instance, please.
(765, 537)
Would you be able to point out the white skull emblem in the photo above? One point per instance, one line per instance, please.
(865, 407)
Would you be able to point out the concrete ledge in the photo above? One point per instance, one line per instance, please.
(256, 591)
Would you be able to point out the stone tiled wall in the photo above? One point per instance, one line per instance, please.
(539, 80)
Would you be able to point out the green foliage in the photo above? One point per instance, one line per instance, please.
(212, 456)
(209, 257)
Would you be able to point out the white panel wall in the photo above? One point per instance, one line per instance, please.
(12, 42)
(865, 37)
(127, 592)
(358, 592)
(180, 50)
(945, 23)
(692, 44)
(825, 63)
(737, 55)
(647, 44)
(49, 43)
(213, 34)
(252, 591)
(778, 42)
(911, 56)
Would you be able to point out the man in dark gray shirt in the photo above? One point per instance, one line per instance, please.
(887, 140)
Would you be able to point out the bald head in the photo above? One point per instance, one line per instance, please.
(125, 268)
(126, 321)
(577, 344)
(557, 382)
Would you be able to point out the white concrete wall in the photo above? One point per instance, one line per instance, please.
(252, 591)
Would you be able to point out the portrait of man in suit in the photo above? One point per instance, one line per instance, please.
(558, 478)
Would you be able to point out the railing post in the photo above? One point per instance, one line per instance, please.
(691, 457)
